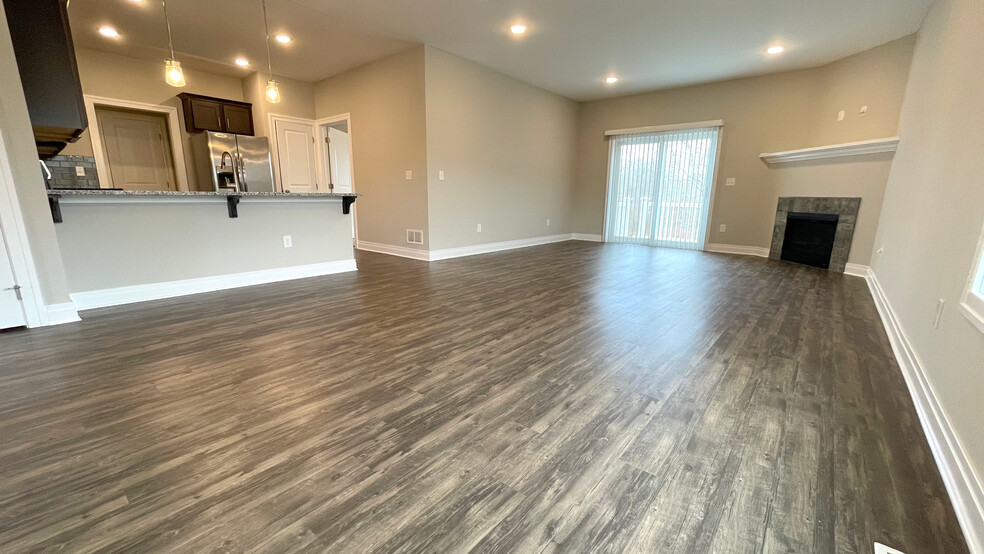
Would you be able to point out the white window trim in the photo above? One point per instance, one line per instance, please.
(661, 128)
(972, 302)
(98, 150)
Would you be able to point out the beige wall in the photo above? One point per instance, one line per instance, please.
(770, 113)
(18, 138)
(298, 101)
(933, 214)
(507, 150)
(144, 242)
(387, 104)
(136, 80)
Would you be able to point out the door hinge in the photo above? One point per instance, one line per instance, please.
(327, 140)
(17, 291)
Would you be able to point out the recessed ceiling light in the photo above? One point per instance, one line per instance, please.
(518, 29)
(283, 39)
(611, 80)
(108, 32)
(775, 49)
(242, 62)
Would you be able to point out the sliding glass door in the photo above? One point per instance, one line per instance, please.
(659, 187)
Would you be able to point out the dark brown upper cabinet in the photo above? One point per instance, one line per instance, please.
(205, 113)
(45, 56)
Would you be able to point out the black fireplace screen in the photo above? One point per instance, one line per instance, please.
(809, 238)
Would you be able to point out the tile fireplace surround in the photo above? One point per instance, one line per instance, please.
(846, 208)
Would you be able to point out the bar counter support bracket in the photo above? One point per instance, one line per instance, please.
(233, 203)
(56, 214)
(347, 202)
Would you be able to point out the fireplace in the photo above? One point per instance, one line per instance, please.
(815, 231)
(809, 238)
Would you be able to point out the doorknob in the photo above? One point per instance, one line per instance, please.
(17, 291)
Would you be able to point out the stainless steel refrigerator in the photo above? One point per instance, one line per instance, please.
(233, 162)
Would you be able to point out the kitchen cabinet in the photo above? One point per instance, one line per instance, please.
(205, 113)
(45, 56)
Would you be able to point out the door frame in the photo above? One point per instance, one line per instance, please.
(99, 152)
(275, 148)
(18, 247)
(323, 159)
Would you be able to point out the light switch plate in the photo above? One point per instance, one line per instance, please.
(479, 229)
(288, 241)
(722, 228)
(409, 175)
(79, 171)
(840, 115)
(440, 174)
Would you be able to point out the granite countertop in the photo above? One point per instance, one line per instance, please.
(196, 193)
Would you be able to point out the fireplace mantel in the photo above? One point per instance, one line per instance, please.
(875, 146)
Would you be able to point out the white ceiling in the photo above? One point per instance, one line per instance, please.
(570, 47)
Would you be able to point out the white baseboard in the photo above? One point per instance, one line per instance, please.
(738, 249)
(62, 313)
(495, 247)
(857, 270)
(448, 253)
(586, 237)
(400, 251)
(156, 291)
(966, 490)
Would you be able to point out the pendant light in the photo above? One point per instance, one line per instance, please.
(272, 88)
(173, 74)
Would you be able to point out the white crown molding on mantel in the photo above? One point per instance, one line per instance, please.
(859, 148)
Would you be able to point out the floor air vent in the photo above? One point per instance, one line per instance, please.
(415, 236)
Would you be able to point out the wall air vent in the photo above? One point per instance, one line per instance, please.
(415, 236)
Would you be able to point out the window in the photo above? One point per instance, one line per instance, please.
(659, 186)
(973, 300)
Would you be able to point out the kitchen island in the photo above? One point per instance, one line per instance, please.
(130, 246)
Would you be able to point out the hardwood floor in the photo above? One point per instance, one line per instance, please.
(570, 397)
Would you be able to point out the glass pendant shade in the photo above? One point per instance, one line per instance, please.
(173, 73)
(273, 92)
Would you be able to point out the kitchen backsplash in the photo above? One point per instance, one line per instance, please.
(64, 173)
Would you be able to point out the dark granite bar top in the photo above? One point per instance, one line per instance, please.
(196, 193)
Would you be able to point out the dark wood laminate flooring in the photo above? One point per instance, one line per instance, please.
(571, 397)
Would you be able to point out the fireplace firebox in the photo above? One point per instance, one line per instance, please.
(821, 231)
(809, 238)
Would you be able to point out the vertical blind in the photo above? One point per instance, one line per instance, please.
(659, 187)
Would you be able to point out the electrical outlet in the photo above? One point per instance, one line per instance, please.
(440, 175)
(882, 549)
(548, 222)
(409, 175)
(722, 228)
(79, 171)
(840, 115)
(479, 228)
(288, 242)
(729, 182)
(939, 313)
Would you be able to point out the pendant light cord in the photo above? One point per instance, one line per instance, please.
(167, 23)
(266, 28)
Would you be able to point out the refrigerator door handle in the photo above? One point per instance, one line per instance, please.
(244, 187)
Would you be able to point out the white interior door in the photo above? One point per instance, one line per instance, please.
(296, 157)
(339, 145)
(11, 306)
(138, 149)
